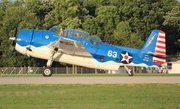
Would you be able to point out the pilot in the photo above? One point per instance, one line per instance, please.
(61, 32)
(78, 35)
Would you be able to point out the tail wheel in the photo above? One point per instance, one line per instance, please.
(130, 73)
(47, 72)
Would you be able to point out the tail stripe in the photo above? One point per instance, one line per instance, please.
(161, 39)
(162, 33)
(159, 62)
(161, 47)
(160, 59)
(162, 42)
(161, 36)
(160, 52)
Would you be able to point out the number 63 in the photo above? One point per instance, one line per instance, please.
(112, 54)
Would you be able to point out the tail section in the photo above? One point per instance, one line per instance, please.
(156, 46)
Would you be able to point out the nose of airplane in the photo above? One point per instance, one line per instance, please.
(23, 40)
(24, 37)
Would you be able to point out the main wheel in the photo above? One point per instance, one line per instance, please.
(47, 72)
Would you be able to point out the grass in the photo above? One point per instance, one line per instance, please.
(93, 96)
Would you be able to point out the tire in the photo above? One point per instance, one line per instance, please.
(131, 74)
(47, 72)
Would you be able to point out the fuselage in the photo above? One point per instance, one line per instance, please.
(93, 53)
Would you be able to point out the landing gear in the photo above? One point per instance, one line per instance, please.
(47, 72)
(128, 71)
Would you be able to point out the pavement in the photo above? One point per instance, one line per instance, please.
(91, 80)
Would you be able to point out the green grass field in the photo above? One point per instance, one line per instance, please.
(93, 96)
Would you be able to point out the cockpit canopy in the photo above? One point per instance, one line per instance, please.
(77, 33)
(95, 40)
(69, 32)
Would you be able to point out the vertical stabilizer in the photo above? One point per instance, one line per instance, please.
(156, 46)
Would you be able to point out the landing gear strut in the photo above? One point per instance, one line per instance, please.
(47, 72)
(129, 71)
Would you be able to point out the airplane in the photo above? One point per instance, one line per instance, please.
(78, 47)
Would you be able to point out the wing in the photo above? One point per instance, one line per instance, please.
(68, 46)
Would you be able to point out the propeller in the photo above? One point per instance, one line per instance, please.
(14, 37)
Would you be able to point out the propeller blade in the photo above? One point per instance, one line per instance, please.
(15, 32)
(15, 36)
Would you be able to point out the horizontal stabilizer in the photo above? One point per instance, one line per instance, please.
(155, 54)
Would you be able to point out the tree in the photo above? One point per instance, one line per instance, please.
(172, 21)
(90, 25)
(42, 10)
(69, 13)
(13, 14)
(125, 37)
(120, 22)
(172, 18)
(122, 32)
(107, 18)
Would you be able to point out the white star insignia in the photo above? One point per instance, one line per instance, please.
(126, 57)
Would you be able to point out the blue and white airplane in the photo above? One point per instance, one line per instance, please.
(79, 48)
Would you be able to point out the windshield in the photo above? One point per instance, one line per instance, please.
(54, 29)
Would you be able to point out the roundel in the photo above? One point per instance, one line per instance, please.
(126, 57)
(47, 37)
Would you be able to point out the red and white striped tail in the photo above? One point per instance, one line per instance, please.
(160, 48)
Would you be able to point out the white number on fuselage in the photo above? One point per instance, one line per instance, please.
(112, 54)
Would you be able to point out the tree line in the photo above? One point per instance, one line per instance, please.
(120, 22)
